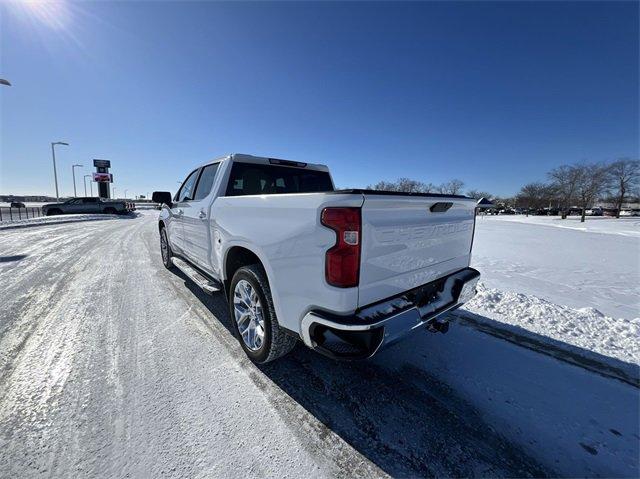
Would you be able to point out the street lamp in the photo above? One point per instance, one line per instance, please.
(55, 173)
(85, 185)
(4, 82)
(73, 172)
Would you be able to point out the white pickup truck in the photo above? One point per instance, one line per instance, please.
(346, 271)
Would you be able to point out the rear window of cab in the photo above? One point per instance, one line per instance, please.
(257, 179)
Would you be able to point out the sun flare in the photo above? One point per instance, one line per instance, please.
(54, 14)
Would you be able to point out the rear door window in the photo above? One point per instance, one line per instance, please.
(206, 181)
(257, 179)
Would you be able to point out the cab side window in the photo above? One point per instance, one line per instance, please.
(186, 190)
(206, 181)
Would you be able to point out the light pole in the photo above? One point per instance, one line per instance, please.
(113, 189)
(125, 194)
(85, 185)
(73, 172)
(55, 173)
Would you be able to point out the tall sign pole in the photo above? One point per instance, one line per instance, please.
(102, 177)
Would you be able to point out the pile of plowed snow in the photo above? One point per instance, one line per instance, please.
(586, 328)
(47, 220)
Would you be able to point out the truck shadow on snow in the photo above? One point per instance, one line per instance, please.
(406, 422)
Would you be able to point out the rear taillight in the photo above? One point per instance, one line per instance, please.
(342, 262)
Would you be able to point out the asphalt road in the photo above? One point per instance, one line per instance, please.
(112, 366)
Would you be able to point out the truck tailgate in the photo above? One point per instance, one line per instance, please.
(407, 242)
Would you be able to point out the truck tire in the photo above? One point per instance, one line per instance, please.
(165, 249)
(253, 316)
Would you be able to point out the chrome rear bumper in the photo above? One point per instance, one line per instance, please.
(362, 334)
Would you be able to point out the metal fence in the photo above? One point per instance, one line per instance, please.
(8, 213)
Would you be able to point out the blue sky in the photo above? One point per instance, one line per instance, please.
(495, 94)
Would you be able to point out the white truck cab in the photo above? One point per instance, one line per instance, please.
(346, 271)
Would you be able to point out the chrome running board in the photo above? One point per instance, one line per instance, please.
(194, 275)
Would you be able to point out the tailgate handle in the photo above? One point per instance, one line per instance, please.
(441, 207)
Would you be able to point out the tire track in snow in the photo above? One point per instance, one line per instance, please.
(117, 408)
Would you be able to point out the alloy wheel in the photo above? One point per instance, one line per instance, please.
(249, 315)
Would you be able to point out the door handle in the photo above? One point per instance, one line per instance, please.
(202, 215)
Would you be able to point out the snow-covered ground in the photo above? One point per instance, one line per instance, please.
(577, 283)
(112, 366)
(51, 220)
(629, 226)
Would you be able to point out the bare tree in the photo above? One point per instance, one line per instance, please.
(405, 185)
(408, 185)
(533, 195)
(477, 194)
(453, 187)
(564, 182)
(591, 182)
(623, 177)
(383, 186)
(430, 188)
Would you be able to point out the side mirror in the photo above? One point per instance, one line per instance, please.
(162, 197)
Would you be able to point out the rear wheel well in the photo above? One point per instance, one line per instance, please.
(237, 257)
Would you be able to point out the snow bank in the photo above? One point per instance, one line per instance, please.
(48, 220)
(586, 328)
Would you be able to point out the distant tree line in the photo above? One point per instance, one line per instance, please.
(407, 185)
(579, 185)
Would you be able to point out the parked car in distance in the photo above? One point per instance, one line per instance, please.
(346, 271)
(87, 205)
(630, 212)
(17, 204)
(595, 211)
(574, 211)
